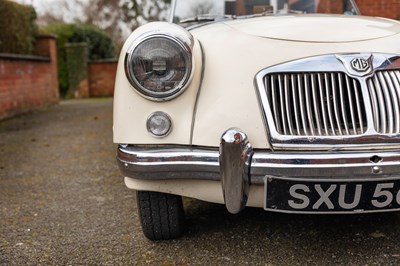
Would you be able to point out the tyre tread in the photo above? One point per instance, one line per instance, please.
(161, 215)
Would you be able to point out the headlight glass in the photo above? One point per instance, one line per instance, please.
(159, 67)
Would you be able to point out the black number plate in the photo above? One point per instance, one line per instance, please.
(331, 196)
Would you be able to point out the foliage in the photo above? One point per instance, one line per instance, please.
(18, 29)
(117, 17)
(100, 45)
(137, 12)
(77, 68)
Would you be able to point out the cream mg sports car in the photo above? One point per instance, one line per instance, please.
(287, 105)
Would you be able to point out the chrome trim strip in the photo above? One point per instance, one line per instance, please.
(168, 162)
(332, 76)
(343, 165)
(172, 11)
(203, 67)
(154, 162)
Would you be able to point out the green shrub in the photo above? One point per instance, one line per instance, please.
(18, 29)
(63, 33)
(100, 45)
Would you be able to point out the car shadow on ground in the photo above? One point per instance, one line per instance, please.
(337, 234)
(208, 216)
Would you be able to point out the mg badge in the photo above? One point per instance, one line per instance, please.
(359, 64)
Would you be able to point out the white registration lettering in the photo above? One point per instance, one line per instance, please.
(379, 192)
(398, 197)
(305, 200)
(324, 197)
(356, 200)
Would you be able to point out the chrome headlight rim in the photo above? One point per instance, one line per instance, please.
(184, 41)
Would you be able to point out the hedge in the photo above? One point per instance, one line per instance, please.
(100, 45)
(18, 29)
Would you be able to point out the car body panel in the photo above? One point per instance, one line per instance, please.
(204, 190)
(318, 28)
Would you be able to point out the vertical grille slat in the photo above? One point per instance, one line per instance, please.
(322, 103)
(381, 107)
(360, 107)
(315, 104)
(351, 100)
(375, 104)
(342, 107)
(308, 104)
(328, 99)
(296, 104)
(282, 105)
(336, 104)
(302, 108)
(275, 105)
(287, 105)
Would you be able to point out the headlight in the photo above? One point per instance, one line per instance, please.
(159, 66)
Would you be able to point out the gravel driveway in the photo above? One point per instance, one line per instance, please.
(63, 202)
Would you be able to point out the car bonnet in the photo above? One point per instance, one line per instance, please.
(317, 28)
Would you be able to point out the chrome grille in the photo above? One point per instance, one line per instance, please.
(328, 103)
(316, 104)
(384, 92)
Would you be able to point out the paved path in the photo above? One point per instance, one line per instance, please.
(63, 202)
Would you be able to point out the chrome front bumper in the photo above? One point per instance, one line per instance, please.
(237, 166)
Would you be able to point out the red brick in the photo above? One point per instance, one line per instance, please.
(29, 84)
(101, 78)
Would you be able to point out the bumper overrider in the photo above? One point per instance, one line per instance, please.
(238, 166)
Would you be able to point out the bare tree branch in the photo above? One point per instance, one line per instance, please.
(114, 16)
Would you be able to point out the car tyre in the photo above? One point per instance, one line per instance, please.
(161, 215)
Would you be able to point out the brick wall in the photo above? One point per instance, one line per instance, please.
(102, 77)
(375, 8)
(380, 8)
(29, 82)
